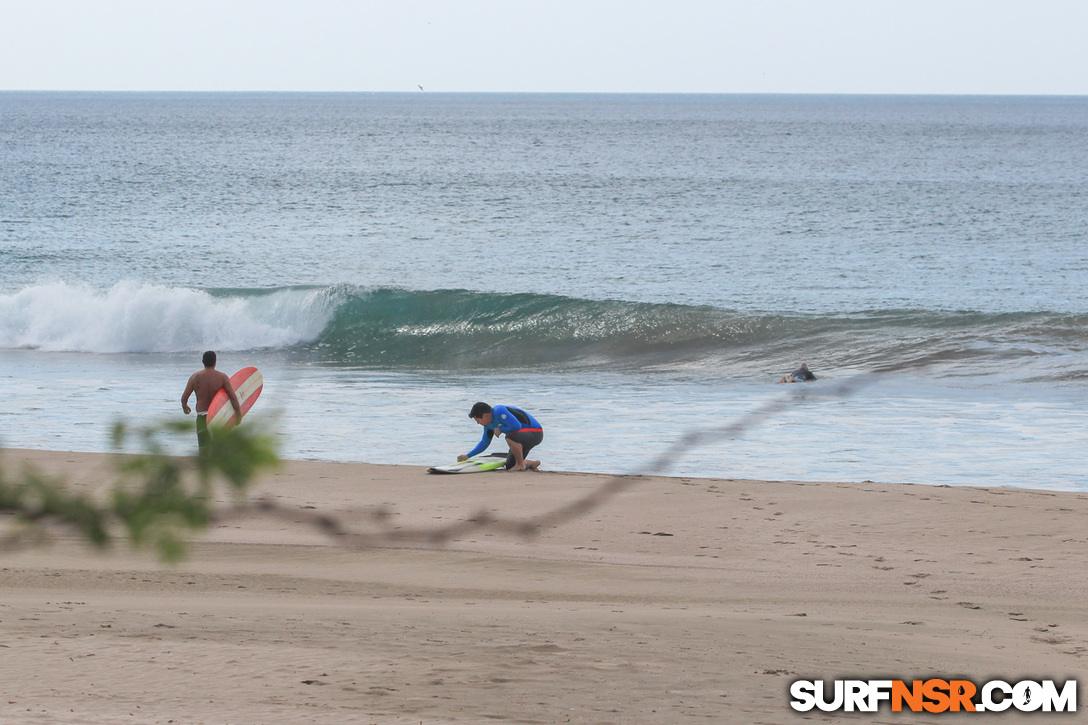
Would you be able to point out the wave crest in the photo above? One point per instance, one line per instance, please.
(131, 317)
(460, 329)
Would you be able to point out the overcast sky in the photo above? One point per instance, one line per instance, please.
(672, 46)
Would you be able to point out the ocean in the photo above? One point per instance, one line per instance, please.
(629, 268)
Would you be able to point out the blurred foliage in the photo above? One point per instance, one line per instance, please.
(156, 498)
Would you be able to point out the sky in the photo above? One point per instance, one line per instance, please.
(998, 47)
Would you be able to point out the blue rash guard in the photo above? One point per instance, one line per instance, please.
(505, 419)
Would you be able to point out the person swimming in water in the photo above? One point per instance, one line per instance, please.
(800, 375)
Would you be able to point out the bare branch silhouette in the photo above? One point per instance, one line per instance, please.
(528, 528)
(157, 498)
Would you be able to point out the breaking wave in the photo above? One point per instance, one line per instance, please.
(451, 329)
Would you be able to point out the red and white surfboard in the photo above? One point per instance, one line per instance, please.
(248, 384)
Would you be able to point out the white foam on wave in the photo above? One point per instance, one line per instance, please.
(135, 317)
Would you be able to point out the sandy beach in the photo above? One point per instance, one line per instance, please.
(675, 600)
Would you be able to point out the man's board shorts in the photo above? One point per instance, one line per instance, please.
(203, 435)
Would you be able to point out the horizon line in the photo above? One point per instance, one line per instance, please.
(547, 93)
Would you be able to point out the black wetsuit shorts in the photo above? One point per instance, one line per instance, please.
(529, 438)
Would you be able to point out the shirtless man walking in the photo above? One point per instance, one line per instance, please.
(206, 383)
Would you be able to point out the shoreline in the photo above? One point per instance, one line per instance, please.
(675, 599)
(55, 454)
